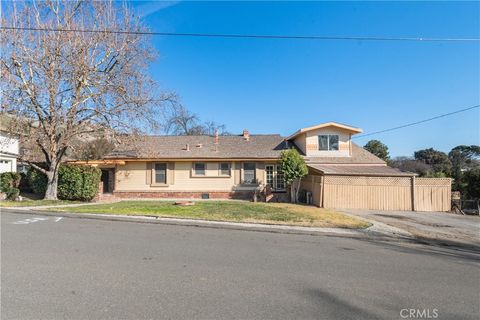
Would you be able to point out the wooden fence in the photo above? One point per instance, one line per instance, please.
(379, 193)
(433, 194)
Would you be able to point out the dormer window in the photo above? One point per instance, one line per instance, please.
(328, 142)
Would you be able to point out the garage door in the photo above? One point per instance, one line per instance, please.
(5, 165)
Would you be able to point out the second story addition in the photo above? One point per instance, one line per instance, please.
(325, 140)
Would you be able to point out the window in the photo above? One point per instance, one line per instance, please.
(199, 169)
(269, 171)
(224, 169)
(160, 173)
(249, 173)
(274, 177)
(280, 182)
(328, 142)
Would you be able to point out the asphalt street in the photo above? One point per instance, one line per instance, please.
(68, 268)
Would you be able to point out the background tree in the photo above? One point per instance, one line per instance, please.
(181, 121)
(93, 150)
(471, 180)
(294, 168)
(411, 165)
(61, 86)
(438, 160)
(463, 159)
(377, 148)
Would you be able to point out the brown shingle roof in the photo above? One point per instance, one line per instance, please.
(201, 147)
(364, 170)
(229, 147)
(359, 156)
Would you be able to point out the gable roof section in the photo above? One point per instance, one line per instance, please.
(202, 147)
(345, 127)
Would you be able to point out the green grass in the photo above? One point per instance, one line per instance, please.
(236, 211)
(34, 203)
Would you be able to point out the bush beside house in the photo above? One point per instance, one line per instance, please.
(9, 182)
(74, 182)
(294, 168)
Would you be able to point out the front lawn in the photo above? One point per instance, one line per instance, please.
(34, 203)
(236, 211)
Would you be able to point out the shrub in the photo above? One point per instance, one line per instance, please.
(78, 182)
(24, 185)
(9, 180)
(37, 181)
(74, 182)
(12, 193)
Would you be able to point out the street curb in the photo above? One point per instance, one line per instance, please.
(203, 223)
(370, 233)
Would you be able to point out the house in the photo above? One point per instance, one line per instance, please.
(341, 174)
(9, 148)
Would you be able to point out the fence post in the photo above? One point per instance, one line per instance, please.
(413, 193)
(322, 191)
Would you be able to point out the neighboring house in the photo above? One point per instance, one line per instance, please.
(235, 166)
(9, 149)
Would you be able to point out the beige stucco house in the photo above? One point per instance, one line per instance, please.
(235, 166)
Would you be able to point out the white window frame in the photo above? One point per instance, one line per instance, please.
(275, 177)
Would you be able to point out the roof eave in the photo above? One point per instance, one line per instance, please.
(353, 130)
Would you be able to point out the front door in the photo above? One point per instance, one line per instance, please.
(107, 180)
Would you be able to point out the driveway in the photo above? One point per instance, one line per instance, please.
(441, 226)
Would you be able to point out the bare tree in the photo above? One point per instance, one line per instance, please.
(63, 85)
(179, 120)
(94, 149)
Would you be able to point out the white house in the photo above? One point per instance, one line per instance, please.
(9, 150)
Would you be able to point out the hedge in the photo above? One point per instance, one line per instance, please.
(74, 182)
(9, 182)
(37, 181)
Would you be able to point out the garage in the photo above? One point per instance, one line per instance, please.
(375, 187)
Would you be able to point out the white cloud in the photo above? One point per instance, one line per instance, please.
(149, 8)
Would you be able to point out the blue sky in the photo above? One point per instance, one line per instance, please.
(279, 86)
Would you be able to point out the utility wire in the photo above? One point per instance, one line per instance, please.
(418, 122)
(245, 36)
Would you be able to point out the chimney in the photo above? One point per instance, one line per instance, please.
(187, 147)
(246, 135)
(216, 136)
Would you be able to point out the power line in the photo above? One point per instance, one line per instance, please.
(244, 36)
(418, 122)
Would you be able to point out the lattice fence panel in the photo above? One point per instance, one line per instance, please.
(440, 182)
(368, 181)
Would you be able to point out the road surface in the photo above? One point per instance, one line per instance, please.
(67, 268)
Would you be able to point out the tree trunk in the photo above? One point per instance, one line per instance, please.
(292, 197)
(297, 190)
(52, 183)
